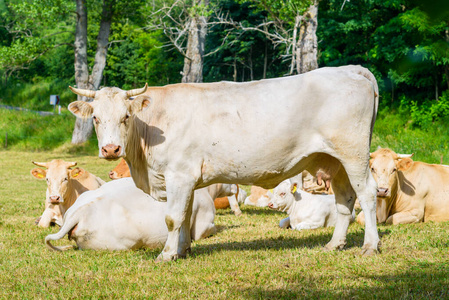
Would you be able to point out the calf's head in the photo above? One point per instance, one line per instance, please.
(110, 112)
(58, 174)
(282, 197)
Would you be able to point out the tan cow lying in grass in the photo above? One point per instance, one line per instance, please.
(64, 185)
(119, 216)
(305, 210)
(408, 191)
(122, 171)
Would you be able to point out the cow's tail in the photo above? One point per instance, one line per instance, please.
(70, 221)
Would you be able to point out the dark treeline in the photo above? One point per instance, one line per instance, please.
(405, 43)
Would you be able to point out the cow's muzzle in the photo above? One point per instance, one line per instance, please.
(111, 151)
(55, 199)
(383, 192)
(271, 205)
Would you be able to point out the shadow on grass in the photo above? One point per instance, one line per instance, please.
(312, 240)
(419, 281)
(261, 211)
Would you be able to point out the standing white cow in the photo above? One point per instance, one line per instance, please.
(119, 216)
(182, 137)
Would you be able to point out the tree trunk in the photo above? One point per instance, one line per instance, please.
(83, 127)
(306, 49)
(102, 44)
(193, 62)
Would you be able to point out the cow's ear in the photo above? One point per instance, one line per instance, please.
(39, 173)
(294, 187)
(81, 109)
(140, 103)
(404, 164)
(77, 173)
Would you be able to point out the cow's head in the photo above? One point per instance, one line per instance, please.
(385, 165)
(120, 171)
(110, 112)
(58, 175)
(282, 196)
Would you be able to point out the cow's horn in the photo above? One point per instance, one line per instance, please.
(71, 164)
(81, 92)
(405, 155)
(41, 164)
(136, 92)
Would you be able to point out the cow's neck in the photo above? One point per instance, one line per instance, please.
(71, 194)
(390, 201)
(291, 206)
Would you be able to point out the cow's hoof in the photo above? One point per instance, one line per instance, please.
(237, 212)
(165, 258)
(368, 250)
(37, 221)
(331, 247)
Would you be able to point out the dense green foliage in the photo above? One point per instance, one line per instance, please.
(404, 43)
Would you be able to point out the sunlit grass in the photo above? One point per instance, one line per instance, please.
(249, 258)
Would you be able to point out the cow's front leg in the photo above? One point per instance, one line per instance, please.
(46, 218)
(179, 201)
(406, 217)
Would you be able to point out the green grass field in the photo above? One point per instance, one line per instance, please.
(249, 258)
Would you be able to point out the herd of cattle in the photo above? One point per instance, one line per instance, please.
(184, 147)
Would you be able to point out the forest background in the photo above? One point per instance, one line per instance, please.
(405, 43)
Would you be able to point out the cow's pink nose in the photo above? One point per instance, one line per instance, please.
(54, 199)
(111, 151)
(382, 192)
(112, 175)
(270, 205)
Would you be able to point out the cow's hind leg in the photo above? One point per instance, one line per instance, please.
(179, 200)
(345, 199)
(365, 187)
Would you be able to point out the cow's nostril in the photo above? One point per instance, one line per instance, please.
(117, 150)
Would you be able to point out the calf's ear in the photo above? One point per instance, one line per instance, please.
(39, 173)
(139, 103)
(404, 164)
(294, 187)
(77, 173)
(81, 109)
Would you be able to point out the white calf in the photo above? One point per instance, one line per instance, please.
(305, 210)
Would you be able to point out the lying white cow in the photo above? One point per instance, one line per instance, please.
(64, 185)
(181, 137)
(305, 210)
(119, 216)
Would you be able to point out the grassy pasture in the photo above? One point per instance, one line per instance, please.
(249, 258)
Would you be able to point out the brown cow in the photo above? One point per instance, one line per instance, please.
(64, 185)
(408, 191)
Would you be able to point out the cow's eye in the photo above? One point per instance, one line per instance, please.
(96, 120)
(394, 170)
(282, 194)
(125, 119)
(372, 170)
(65, 179)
